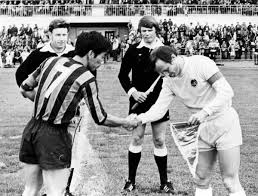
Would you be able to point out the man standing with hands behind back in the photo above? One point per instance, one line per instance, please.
(137, 60)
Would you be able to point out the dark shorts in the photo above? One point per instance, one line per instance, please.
(45, 144)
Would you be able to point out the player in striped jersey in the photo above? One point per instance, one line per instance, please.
(62, 83)
(199, 84)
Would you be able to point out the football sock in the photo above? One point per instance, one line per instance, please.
(134, 156)
(239, 193)
(160, 156)
(203, 192)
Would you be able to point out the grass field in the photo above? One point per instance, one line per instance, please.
(111, 144)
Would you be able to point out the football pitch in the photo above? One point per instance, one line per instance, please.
(110, 145)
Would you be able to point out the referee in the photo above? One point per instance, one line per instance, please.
(137, 61)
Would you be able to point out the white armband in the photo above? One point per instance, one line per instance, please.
(224, 94)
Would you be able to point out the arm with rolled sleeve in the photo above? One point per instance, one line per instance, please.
(161, 106)
(27, 88)
(224, 92)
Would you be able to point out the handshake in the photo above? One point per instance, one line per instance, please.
(131, 122)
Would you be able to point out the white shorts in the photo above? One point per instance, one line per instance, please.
(221, 133)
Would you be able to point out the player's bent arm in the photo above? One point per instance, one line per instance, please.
(27, 67)
(27, 87)
(224, 93)
(100, 117)
(98, 113)
(159, 109)
(28, 94)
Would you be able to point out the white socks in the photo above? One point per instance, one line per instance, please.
(135, 149)
(239, 193)
(208, 192)
(203, 192)
(160, 152)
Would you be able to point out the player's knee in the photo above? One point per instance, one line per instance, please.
(31, 190)
(202, 180)
(137, 140)
(56, 193)
(231, 182)
(159, 142)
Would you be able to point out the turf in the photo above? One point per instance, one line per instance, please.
(111, 144)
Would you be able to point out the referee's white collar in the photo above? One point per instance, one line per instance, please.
(153, 45)
(47, 48)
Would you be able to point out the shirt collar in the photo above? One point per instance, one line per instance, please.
(153, 45)
(47, 48)
(186, 62)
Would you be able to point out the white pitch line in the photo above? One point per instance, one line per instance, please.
(90, 177)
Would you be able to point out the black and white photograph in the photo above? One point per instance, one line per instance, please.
(128, 97)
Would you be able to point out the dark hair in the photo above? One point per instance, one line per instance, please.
(58, 23)
(94, 41)
(163, 53)
(148, 22)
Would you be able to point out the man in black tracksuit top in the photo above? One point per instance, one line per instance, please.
(57, 46)
(137, 60)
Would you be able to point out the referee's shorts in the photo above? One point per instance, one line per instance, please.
(46, 144)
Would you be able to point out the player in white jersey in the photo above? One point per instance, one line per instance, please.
(199, 84)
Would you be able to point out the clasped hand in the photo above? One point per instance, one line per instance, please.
(139, 96)
(131, 122)
(197, 118)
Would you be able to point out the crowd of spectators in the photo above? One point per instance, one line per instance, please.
(127, 7)
(188, 2)
(16, 43)
(235, 41)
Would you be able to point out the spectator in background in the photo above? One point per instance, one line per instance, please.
(224, 50)
(115, 48)
(189, 47)
(232, 44)
(9, 58)
(3, 32)
(238, 50)
(130, 26)
(22, 30)
(17, 58)
(14, 31)
(25, 53)
(214, 47)
(28, 30)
